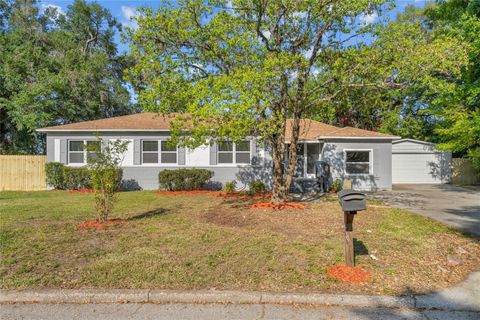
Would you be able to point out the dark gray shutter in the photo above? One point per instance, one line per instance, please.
(213, 153)
(136, 151)
(181, 156)
(63, 151)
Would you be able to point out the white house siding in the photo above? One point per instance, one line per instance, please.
(418, 162)
(381, 152)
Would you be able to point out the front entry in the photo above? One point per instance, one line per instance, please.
(307, 155)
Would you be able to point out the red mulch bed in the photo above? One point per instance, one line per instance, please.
(168, 192)
(97, 225)
(82, 191)
(349, 274)
(280, 206)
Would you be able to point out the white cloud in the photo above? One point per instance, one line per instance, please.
(45, 6)
(128, 13)
(369, 18)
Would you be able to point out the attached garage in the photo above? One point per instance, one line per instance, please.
(418, 162)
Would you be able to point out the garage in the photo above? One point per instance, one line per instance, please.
(419, 162)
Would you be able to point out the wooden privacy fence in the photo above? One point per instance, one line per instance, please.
(463, 172)
(25, 173)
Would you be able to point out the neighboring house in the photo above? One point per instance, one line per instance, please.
(364, 157)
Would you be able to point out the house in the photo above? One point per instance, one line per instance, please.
(364, 157)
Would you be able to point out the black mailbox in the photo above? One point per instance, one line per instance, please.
(352, 201)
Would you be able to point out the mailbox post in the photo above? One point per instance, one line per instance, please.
(351, 202)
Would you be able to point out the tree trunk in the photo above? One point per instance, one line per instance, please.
(279, 192)
(281, 179)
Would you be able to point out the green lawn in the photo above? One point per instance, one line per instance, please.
(202, 241)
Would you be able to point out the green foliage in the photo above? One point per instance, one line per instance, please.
(57, 69)
(105, 173)
(257, 187)
(75, 178)
(230, 187)
(55, 176)
(336, 186)
(474, 156)
(184, 179)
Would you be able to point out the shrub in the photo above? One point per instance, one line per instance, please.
(75, 178)
(229, 187)
(54, 173)
(184, 179)
(336, 186)
(257, 186)
(106, 174)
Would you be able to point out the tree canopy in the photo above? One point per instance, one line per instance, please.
(242, 68)
(56, 68)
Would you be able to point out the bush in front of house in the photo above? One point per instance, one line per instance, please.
(184, 179)
(60, 176)
(76, 178)
(54, 173)
(257, 187)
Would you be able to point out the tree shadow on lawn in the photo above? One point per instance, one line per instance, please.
(149, 214)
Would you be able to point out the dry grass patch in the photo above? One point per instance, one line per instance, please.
(200, 241)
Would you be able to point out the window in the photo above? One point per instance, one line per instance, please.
(78, 151)
(234, 152)
(149, 151)
(169, 154)
(151, 154)
(357, 162)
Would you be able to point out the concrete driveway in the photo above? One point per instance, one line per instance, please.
(452, 205)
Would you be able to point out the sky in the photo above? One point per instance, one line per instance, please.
(123, 10)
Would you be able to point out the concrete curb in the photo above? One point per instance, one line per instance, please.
(79, 296)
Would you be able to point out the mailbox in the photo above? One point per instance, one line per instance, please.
(352, 201)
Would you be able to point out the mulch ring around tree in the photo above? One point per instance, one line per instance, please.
(97, 225)
(349, 274)
(279, 206)
(82, 191)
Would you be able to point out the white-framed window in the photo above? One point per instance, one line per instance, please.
(234, 152)
(358, 162)
(78, 151)
(168, 154)
(155, 152)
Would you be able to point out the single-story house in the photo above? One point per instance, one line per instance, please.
(362, 156)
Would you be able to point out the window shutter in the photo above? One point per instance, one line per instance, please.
(255, 152)
(213, 154)
(63, 151)
(181, 156)
(136, 151)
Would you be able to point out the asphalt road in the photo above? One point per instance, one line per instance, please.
(216, 311)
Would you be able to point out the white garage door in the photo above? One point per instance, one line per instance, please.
(416, 168)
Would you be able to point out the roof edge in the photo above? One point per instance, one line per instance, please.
(100, 130)
(415, 141)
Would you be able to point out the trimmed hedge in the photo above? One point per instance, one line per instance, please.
(60, 176)
(184, 179)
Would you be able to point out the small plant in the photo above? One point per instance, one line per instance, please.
(257, 187)
(229, 187)
(336, 186)
(54, 173)
(184, 179)
(106, 174)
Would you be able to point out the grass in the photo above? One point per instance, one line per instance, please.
(200, 241)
